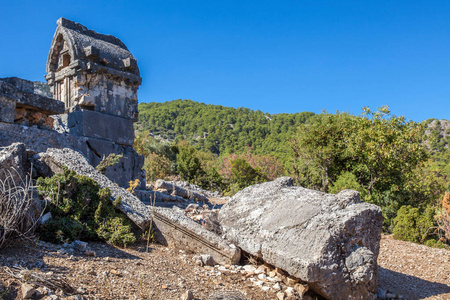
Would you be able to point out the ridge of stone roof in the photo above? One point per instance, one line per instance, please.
(69, 24)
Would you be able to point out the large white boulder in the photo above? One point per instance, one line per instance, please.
(330, 241)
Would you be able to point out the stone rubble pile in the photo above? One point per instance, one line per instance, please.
(261, 276)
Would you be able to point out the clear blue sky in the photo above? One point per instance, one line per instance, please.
(275, 56)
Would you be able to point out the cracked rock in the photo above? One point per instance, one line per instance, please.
(329, 241)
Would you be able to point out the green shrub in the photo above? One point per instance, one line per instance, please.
(109, 161)
(347, 180)
(436, 244)
(82, 210)
(412, 225)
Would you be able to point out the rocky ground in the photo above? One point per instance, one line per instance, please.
(414, 271)
(407, 271)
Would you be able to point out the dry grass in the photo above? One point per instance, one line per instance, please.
(38, 278)
(446, 202)
(19, 211)
(443, 226)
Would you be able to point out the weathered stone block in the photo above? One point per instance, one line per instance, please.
(179, 191)
(13, 163)
(330, 241)
(31, 101)
(127, 169)
(20, 84)
(102, 126)
(176, 230)
(7, 109)
(91, 52)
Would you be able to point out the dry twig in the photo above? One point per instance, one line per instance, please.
(31, 276)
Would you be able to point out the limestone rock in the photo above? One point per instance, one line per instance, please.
(13, 162)
(208, 260)
(7, 109)
(27, 291)
(178, 191)
(22, 92)
(39, 140)
(46, 217)
(188, 296)
(329, 241)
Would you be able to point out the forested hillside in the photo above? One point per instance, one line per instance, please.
(220, 129)
(400, 165)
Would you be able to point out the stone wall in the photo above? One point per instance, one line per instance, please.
(20, 105)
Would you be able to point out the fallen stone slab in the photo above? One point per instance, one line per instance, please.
(330, 241)
(54, 160)
(179, 191)
(174, 229)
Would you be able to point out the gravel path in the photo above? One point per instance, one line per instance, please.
(413, 271)
(407, 269)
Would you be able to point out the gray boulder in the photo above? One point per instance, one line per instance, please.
(330, 241)
(178, 191)
(13, 163)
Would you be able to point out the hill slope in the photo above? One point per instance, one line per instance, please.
(221, 129)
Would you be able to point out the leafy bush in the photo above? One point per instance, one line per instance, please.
(347, 180)
(435, 244)
(442, 218)
(156, 167)
(244, 174)
(189, 165)
(412, 225)
(82, 210)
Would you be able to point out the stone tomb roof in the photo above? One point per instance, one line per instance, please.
(88, 50)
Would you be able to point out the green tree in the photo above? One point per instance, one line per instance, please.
(413, 225)
(382, 151)
(320, 150)
(188, 164)
(156, 167)
(347, 180)
(244, 174)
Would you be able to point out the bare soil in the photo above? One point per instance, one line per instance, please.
(414, 271)
(410, 270)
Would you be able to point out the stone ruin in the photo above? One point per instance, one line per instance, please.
(94, 81)
(329, 242)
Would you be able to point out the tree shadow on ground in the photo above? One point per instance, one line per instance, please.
(410, 287)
